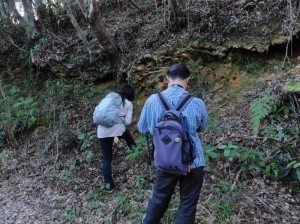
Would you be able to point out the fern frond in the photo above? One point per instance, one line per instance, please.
(261, 108)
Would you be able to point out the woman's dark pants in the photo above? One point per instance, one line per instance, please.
(106, 145)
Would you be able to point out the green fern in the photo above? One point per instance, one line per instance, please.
(260, 108)
(292, 87)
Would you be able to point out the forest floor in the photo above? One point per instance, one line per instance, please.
(33, 192)
(59, 188)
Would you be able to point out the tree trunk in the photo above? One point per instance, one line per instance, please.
(172, 15)
(13, 20)
(172, 20)
(30, 27)
(3, 13)
(99, 30)
(82, 6)
(13, 12)
(44, 14)
(80, 32)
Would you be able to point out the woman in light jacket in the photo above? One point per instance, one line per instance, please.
(106, 134)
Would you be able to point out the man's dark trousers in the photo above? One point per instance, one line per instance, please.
(190, 186)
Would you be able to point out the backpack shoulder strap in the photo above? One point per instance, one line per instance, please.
(162, 101)
(184, 103)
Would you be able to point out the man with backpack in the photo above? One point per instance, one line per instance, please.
(166, 116)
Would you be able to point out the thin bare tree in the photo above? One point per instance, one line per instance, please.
(3, 12)
(172, 13)
(99, 29)
(45, 14)
(29, 19)
(13, 13)
(80, 32)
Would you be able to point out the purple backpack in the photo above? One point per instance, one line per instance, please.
(173, 148)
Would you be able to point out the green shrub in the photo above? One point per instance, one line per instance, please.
(252, 161)
(18, 113)
(224, 210)
(290, 165)
(210, 153)
(135, 151)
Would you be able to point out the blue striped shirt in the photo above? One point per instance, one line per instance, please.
(195, 115)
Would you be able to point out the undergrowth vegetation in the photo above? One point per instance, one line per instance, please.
(59, 113)
(273, 136)
(57, 117)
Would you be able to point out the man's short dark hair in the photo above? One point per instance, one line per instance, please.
(178, 71)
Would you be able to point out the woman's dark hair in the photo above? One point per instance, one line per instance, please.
(178, 71)
(127, 92)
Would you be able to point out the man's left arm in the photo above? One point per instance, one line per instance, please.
(203, 117)
(142, 124)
